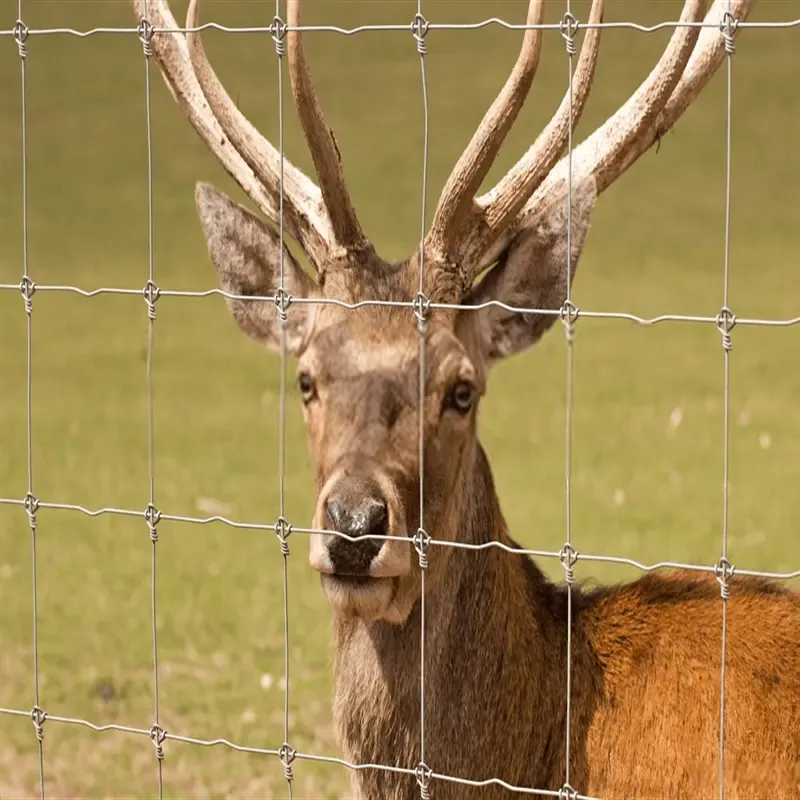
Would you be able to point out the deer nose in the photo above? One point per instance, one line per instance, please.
(368, 516)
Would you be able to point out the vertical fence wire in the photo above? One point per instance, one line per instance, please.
(282, 528)
(420, 29)
(27, 288)
(151, 295)
(569, 28)
(727, 31)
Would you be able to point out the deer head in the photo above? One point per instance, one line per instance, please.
(358, 370)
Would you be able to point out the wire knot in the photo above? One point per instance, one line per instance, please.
(726, 322)
(145, 30)
(38, 716)
(569, 314)
(151, 516)
(151, 293)
(278, 30)
(566, 792)
(568, 555)
(723, 572)
(157, 735)
(419, 30)
(21, 33)
(728, 27)
(569, 26)
(287, 755)
(282, 530)
(422, 307)
(282, 302)
(31, 505)
(423, 775)
(27, 289)
(421, 540)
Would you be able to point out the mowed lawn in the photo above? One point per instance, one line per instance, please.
(648, 413)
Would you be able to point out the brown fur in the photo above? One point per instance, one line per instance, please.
(645, 699)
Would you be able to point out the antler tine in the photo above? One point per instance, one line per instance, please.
(616, 144)
(705, 60)
(499, 206)
(303, 208)
(171, 52)
(607, 152)
(324, 152)
(477, 158)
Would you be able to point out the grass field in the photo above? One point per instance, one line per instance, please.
(648, 421)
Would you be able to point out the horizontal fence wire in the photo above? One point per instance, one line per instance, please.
(400, 28)
(724, 321)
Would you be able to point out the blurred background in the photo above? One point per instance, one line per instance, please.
(648, 419)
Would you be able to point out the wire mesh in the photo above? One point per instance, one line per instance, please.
(420, 306)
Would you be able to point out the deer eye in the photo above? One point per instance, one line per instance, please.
(307, 386)
(461, 397)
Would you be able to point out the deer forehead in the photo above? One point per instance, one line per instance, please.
(384, 341)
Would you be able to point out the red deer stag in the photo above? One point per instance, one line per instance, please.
(645, 656)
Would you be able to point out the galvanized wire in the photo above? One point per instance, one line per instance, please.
(399, 28)
(27, 288)
(419, 30)
(282, 527)
(568, 31)
(421, 306)
(727, 30)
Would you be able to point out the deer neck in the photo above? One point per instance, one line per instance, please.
(494, 634)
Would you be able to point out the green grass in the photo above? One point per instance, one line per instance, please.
(642, 487)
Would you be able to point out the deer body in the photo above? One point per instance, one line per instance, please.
(645, 682)
(646, 656)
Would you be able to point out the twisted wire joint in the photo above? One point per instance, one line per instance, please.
(569, 314)
(282, 302)
(569, 26)
(38, 716)
(282, 531)
(145, 30)
(278, 29)
(27, 289)
(568, 555)
(421, 540)
(423, 775)
(566, 792)
(728, 27)
(157, 735)
(419, 29)
(726, 321)
(151, 293)
(21, 32)
(723, 572)
(31, 505)
(422, 307)
(151, 516)
(287, 755)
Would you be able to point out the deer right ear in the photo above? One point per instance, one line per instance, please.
(246, 253)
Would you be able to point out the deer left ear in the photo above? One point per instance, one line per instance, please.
(532, 272)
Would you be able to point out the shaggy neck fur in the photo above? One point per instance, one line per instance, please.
(495, 661)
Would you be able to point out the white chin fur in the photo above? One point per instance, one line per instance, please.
(369, 599)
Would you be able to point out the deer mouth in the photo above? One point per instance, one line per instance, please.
(359, 595)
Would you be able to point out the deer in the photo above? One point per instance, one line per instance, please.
(645, 656)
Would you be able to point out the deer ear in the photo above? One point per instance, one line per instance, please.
(246, 253)
(532, 273)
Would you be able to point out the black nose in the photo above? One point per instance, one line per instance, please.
(367, 516)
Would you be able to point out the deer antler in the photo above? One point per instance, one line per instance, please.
(327, 159)
(323, 222)
(684, 69)
(457, 210)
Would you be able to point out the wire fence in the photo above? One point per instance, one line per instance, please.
(725, 321)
